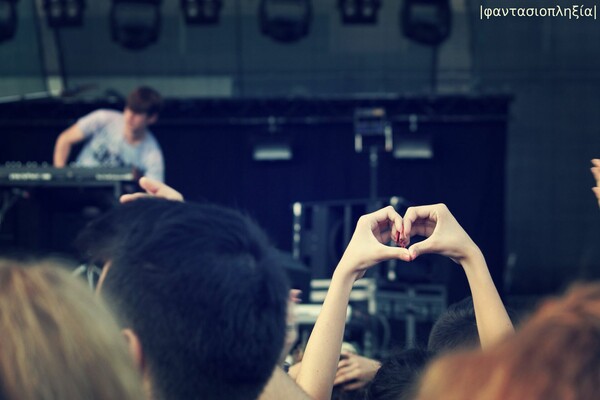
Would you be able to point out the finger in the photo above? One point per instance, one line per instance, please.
(354, 385)
(597, 193)
(417, 216)
(160, 189)
(396, 231)
(386, 216)
(424, 247)
(391, 253)
(343, 363)
(126, 198)
(596, 162)
(596, 173)
(413, 214)
(295, 295)
(342, 378)
(402, 239)
(346, 375)
(389, 223)
(149, 185)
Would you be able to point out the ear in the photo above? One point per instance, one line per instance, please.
(135, 348)
(102, 277)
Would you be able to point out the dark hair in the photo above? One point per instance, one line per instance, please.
(145, 100)
(398, 375)
(455, 329)
(554, 355)
(201, 288)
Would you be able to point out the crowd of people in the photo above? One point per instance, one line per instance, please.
(192, 303)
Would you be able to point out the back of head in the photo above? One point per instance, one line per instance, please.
(145, 100)
(200, 286)
(57, 340)
(455, 329)
(554, 355)
(398, 375)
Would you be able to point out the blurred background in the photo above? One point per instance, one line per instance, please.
(266, 101)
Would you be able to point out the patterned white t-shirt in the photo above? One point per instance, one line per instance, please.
(106, 145)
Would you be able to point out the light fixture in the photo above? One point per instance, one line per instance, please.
(8, 19)
(285, 20)
(273, 144)
(63, 13)
(203, 12)
(359, 11)
(372, 130)
(135, 24)
(426, 21)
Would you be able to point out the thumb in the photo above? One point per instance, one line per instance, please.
(149, 185)
(419, 248)
(396, 253)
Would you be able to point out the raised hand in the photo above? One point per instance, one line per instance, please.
(443, 233)
(445, 236)
(596, 172)
(153, 188)
(355, 371)
(367, 247)
(369, 243)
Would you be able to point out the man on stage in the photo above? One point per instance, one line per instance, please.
(117, 139)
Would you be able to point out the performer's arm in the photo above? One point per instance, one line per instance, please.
(63, 145)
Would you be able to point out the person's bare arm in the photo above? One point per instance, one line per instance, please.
(64, 142)
(366, 248)
(446, 237)
(281, 386)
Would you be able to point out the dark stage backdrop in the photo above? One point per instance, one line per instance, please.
(208, 147)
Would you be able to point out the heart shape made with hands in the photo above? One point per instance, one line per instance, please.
(443, 234)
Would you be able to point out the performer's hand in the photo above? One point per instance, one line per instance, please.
(153, 188)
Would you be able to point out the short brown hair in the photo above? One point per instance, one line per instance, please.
(145, 100)
(57, 340)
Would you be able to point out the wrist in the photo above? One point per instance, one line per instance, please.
(472, 258)
(346, 271)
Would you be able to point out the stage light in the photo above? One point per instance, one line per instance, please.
(62, 13)
(203, 12)
(135, 24)
(8, 19)
(372, 130)
(426, 21)
(285, 20)
(359, 11)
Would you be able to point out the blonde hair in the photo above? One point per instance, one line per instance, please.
(57, 341)
(555, 355)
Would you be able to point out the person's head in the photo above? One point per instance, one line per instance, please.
(455, 329)
(398, 375)
(142, 109)
(555, 355)
(57, 341)
(201, 290)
